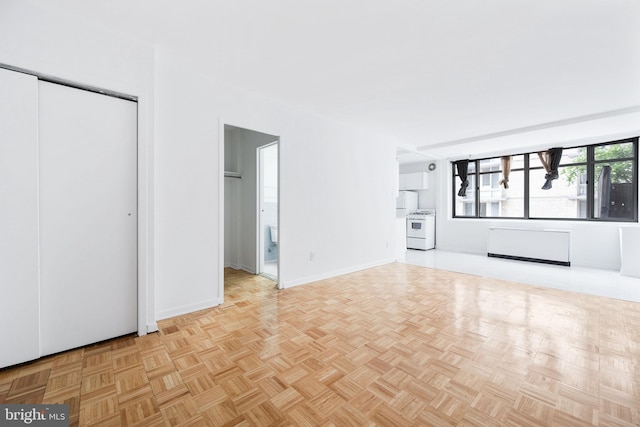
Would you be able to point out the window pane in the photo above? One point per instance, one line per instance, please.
(569, 156)
(534, 161)
(613, 190)
(496, 201)
(466, 206)
(495, 164)
(470, 169)
(517, 162)
(566, 197)
(613, 151)
(489, 209)
(573, 155)
(488, 165)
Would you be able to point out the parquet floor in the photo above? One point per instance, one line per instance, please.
(396, 345)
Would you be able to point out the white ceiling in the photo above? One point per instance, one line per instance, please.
(446, 77)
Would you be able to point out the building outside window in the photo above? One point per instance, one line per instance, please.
(594, 182)
(562, 200)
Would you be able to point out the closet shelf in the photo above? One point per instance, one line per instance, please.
(228, 174)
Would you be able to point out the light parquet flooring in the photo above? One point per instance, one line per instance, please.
(396, 345)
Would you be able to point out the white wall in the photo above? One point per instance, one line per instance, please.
(592, 244)
(336, 191)
(57, 45)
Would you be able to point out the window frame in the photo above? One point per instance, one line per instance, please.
(590, 164)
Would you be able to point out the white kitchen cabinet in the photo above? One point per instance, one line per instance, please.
(414, 181)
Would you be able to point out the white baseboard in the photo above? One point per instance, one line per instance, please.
(335, 273)
(152, 327)
(189, 308)
(248, 269)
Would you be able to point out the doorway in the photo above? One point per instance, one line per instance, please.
(250, 202)
(268, 211)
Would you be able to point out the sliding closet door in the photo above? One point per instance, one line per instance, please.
(19, 314)
(88, 225)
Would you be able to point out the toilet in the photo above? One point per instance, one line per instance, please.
(274, 234)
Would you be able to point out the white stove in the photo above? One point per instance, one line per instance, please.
(421, 213)
(421, 229)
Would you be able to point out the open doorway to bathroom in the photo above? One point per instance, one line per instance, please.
(268, 210)
(251, 204)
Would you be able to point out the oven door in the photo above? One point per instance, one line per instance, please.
(416, 228)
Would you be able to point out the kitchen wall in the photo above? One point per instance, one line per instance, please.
(427, 199)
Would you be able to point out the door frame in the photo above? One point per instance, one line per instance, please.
(259, 204)
(263, 128)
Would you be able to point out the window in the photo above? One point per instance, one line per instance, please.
(596, 182)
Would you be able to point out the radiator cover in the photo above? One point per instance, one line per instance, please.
(543, 245)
